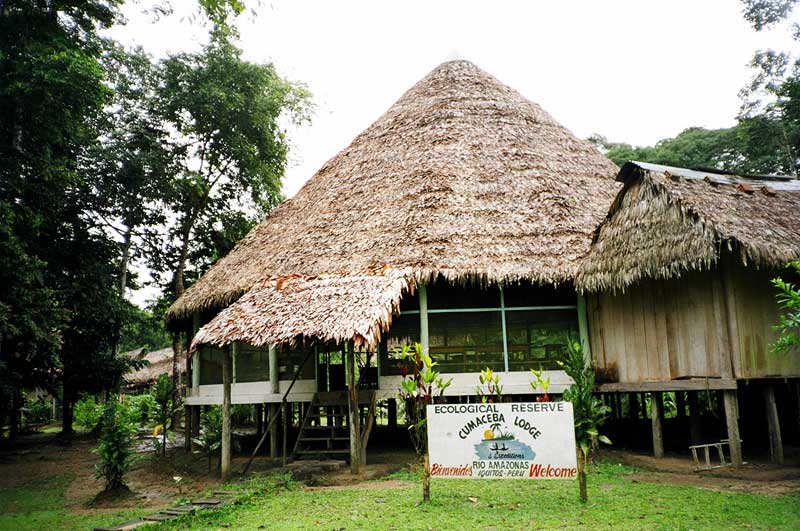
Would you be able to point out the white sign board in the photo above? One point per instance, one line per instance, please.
(522, 440)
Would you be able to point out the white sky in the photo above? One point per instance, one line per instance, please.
(635, 71)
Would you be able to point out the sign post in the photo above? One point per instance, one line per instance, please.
(518, 440)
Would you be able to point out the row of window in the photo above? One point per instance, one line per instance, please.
(465, 330)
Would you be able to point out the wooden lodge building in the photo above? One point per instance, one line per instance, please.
(466, 218)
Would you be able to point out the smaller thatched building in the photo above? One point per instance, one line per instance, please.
(157, 362)
(678, 282)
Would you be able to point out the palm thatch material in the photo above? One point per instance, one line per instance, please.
(354, 307)
(670, 220)
(461, 177)
(158, 362)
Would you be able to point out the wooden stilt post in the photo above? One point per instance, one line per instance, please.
(731, 406)
(633, 406)
(392, 413)
(643, 403)
(227, 376)
(694, 418)
(655, 414)
(680, 403)
(352, 403)
(259, 419)
(274, 388)
(773, 423)
(287, 415)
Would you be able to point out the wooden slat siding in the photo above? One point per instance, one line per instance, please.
(596, 332)
(728, 286)
(672, 322)
(722, 362)
(714, 339)
(680, 311)
(662, 336)
(610, 315)
(645, 328)
(627, 355)
(694, 356)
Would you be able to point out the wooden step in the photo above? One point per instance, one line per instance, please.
(317, 439)
(324, 451)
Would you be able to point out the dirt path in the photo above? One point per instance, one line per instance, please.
(755, 477)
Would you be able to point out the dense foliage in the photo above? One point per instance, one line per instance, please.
(788, 327)
(588, 410)
(115, 450)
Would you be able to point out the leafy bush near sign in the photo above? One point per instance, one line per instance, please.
(420, 387)
(589, 411)
(788, 327)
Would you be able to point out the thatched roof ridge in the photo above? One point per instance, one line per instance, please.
(670, 220)
(461, 177)
(285, 310)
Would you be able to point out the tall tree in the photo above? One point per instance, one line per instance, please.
(230, 151)
(50, 88)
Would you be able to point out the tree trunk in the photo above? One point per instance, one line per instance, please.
(123, 283)
(225, 454)
(67, 404)
(581, 458)
(14, 416)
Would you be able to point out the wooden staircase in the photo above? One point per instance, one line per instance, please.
(325, 431)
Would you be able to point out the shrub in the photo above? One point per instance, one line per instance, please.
(116, 444)
(589, 411)
(143, 408)
(210, 439)
(163, 393)
(788, 327)
(87, 413)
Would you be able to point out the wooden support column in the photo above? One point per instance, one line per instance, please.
(773, 423)
(191, 421)
(655, 414)
(259, 419)
(287, 416)
(633, 406)
(727, 333)
(680, 404)
(423, 319)
(694, 418)
(353, 417)
(227, 377)
(732, 420)
(274, 388)
(391, 407)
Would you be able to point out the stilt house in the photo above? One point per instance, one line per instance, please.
(461, 219)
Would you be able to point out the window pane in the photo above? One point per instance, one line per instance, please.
(210, 366)
(289, 359)
(536, 339)
(404, 331)
(466, 342)
(442, 295)
(528, 294)
(252, 364)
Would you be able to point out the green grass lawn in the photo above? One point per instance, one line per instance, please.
(615, 502)
(40, 506)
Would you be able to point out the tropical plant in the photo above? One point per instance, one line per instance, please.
(116, 444)
(540, 383)
(589, 411)
(87, 413)
(210, 439)
(163, 393)
(420, 387)
(788, 327)
(143, 408)
(489, 389)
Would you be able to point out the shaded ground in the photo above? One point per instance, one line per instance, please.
(756, 476)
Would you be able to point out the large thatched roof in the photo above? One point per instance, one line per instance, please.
(461, 177)
(669, 220)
